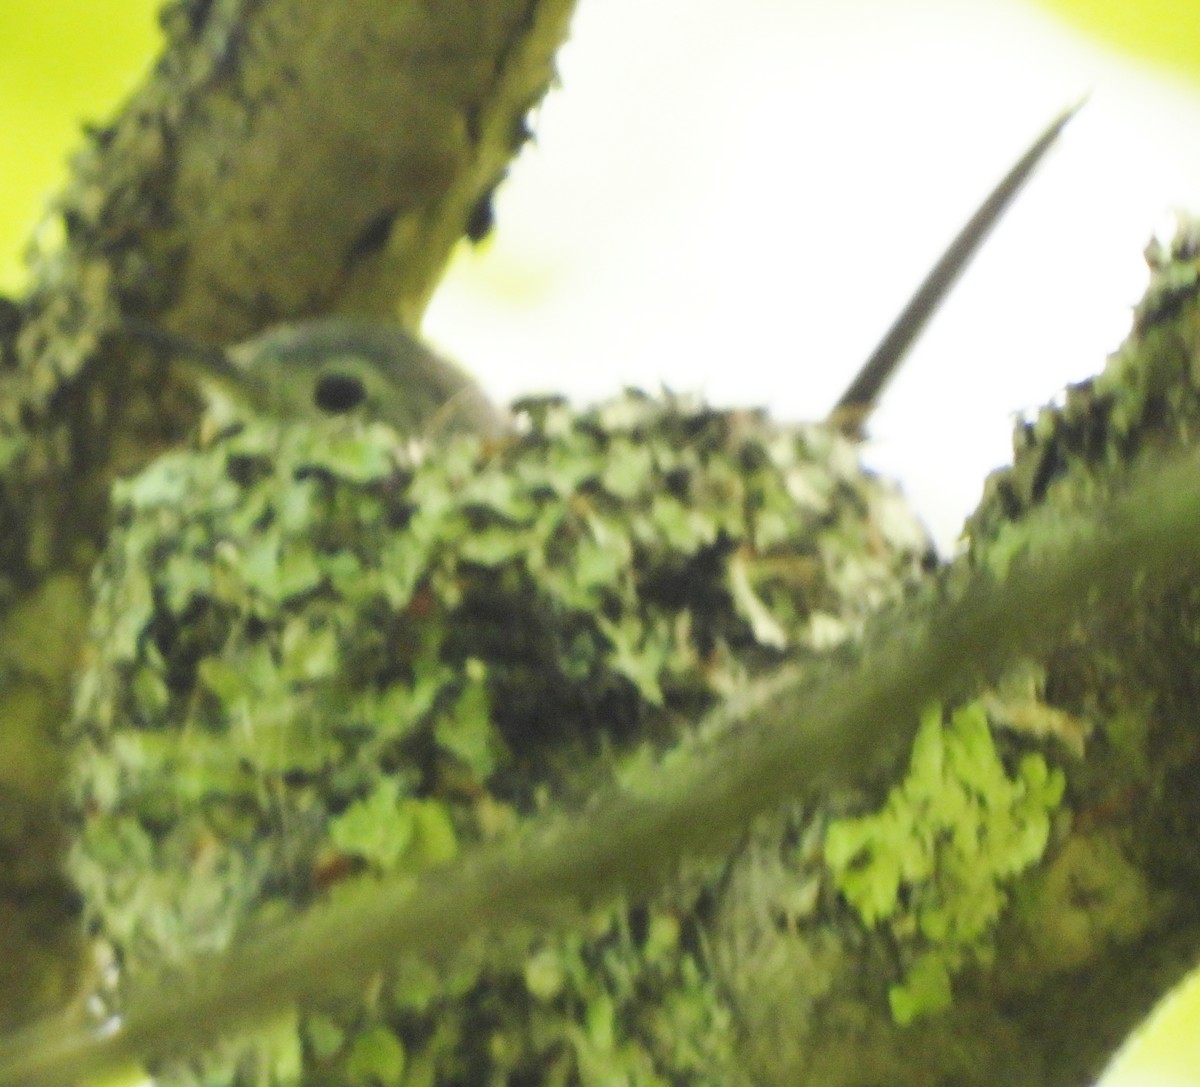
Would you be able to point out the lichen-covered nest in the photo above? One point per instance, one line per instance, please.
(327, 655)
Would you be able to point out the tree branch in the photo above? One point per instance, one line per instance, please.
(792, 738)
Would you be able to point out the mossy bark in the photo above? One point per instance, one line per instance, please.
(1109, 919)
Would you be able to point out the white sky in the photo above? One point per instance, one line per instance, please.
(738, 198)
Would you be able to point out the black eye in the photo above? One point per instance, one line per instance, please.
(336, 394)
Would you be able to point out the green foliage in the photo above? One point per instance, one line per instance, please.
(935, 862)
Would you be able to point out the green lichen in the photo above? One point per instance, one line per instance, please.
(320, 657)
(935, 863)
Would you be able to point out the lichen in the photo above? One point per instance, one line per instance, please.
(936, 862)
(323, 656)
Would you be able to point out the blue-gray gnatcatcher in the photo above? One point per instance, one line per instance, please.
(332, 366)
(339, 365)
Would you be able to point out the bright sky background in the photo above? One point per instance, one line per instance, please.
(737, 199)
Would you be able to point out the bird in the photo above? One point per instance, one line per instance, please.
(340, 365)
(335, 366)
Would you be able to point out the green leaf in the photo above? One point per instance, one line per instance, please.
(393, 712)
(500, 493)
(184, 577)
(11, 447)
(167, 481)
(226, 681)
(281, 1049)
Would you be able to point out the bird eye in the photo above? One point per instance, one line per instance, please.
(336, 393)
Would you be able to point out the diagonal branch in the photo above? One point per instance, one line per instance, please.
(792, 738)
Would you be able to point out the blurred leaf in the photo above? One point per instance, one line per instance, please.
(1164, 32)
(378, 1058)
(62, 63)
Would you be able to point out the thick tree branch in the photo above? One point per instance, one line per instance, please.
(791, 738)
